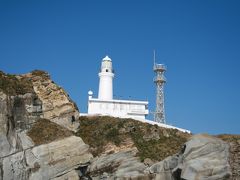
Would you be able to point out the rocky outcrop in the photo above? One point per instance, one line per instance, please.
(56, 103)
(202, 157)
(21, 109)
(57, 158)
(17, 114)
(20, 158)
(120, 165)
(47, 161)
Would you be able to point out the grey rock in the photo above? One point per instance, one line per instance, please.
(205, 157)
(163, 169)
(202, 157)
(121, 165)
(15, 167)
(19, 159)
(58, 157)
(15, 120)
(25, 141)
(72, 175)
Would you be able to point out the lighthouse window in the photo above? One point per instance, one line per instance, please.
(106, 70)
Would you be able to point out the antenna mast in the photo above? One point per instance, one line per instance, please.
(159, 80)
(154, 57)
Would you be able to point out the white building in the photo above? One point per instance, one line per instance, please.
(106, 105)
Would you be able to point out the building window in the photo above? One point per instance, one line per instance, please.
(106, 70)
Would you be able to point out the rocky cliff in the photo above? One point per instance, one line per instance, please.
(26, 150)
(40, 138)
(56, 103)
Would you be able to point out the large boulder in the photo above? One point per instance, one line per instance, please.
(57, 158)
(202, 157)
(205, 157)
(120, 165)
(47, 161)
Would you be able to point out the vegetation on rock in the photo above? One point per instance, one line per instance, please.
(45, 131)
(151, 141)
(13, 85)
(234, 160)
(40, 73)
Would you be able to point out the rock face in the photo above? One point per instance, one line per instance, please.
(205, 156)
(20, 158)
(56, 103)
(120, 165)
(17, 114)
(202, 157)
(47, 161)
(57, 158)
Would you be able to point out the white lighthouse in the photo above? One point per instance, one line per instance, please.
(106, 105)
(106, 76)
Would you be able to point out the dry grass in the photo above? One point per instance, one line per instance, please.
(229, 137)
(11, 85)
(99, 131)
(40, 73)
(45, 131)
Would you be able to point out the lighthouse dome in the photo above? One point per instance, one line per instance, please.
(107, 58)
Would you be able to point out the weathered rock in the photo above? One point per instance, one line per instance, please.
(205, 157)
(202, 157)
(163, 169)
(15, 167)
(57, 159)
(17, 115)
(56, 103)
(72, 175)
(148, 162)
(20, 158)
(121, 165)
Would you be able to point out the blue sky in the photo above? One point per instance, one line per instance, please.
(199, 41)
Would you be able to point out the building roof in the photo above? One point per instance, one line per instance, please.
(119, 101)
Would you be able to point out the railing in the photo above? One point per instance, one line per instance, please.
(159, 67)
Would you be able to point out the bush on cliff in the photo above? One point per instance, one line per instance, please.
(44, 131)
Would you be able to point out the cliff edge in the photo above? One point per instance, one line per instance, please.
(37, 124)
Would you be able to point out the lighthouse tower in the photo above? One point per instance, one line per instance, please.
(105, 104)
(106, 75)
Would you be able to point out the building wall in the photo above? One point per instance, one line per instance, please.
(126, 109)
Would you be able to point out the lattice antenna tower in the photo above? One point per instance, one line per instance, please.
(159, 80)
